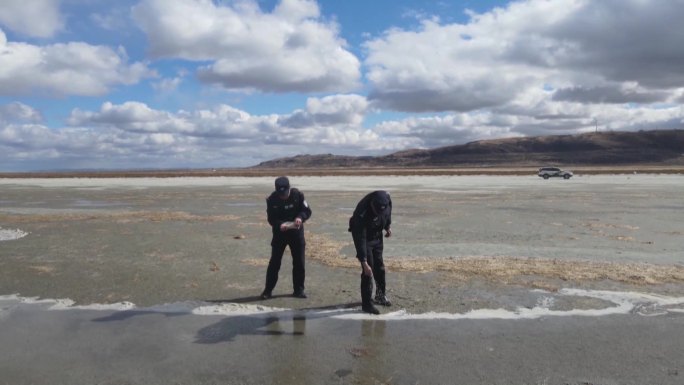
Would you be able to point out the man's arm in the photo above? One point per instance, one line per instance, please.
(388, 225)
(304, 209)
(359, 235)
(270, 215)
(358, 231)
(389, 214)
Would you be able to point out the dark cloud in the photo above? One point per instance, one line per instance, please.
(561, 127)
(631, 49)
(333, 110)
(18, 112)
(557, 116)
(267, 78)
(608, 94)
(432, 100)
(624, 40)
(670, 124)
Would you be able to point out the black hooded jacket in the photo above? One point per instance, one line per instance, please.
(367, 225)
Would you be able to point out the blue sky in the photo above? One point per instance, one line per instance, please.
(97, 84)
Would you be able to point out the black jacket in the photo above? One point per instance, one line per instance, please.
(280, 211)
(365, 225)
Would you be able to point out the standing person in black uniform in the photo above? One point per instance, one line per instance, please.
(372, 215)
(287, 211)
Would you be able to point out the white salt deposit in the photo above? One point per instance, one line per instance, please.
(484, 183)
(623, 303)
(11, 234)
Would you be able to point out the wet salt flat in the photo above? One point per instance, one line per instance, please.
(172, 228)
(494, 279)
(362, 183)
(613, 303)
(199, 343)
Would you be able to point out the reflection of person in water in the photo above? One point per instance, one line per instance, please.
(230, 327)
(372, 215)
(372, 329)
(372, 342)
(274, 326)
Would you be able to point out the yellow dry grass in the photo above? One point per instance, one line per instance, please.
(41, 269)
(258, 262)
(506, 269)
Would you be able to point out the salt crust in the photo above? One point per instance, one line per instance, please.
(11, 234)
(624, 303)
(483, 183)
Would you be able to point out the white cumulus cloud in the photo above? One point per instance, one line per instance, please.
(34, 18)
(64, 68)
(328, 111)
(612, 51)
(18, 112)
(133, 134)
(290, 49)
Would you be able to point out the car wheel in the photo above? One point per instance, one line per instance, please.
(546, 177)
(566, 176)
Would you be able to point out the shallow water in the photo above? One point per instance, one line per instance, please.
(171, 344)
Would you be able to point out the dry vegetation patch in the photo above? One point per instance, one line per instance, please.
(42, 269)
(505, 269)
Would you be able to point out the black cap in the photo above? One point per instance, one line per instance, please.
(282, 184)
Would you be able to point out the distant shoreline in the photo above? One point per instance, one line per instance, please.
(365, 171)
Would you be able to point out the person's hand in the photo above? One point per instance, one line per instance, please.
(283, 227)
(367, 269)
(388, 233)
(298, 222)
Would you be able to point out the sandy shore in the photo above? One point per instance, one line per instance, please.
(504, 250)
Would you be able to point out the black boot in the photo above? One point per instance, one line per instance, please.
(366, 294)
(381, 299)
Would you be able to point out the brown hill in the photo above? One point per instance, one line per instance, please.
(601, 149)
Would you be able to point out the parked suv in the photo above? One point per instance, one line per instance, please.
(549, 172)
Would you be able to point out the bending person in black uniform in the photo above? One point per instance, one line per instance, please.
(287, 211)
(372, 215)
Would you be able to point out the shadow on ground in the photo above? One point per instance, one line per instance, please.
(282, 323)
(277, 323)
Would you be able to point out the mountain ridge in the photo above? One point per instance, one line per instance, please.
(587, 149)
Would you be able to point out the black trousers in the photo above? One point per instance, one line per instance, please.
(374, 259)
(294, 239)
